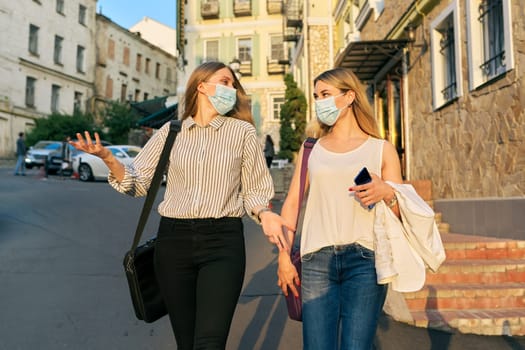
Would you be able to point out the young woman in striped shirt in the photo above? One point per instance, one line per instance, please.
(217, 173)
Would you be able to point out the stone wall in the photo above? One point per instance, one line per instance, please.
(475, 146)
(318, 45)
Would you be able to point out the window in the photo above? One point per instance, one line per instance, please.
(245, 49)
(109, 88)
(80, 59)
(82, 14)
(146, 95)
(168, 75)
(77, 103)
(111, 49)
(137, 95)
(157, 70)
(489, 40)
(125, 56)
(146, 69)
(138, 65)
(276, 48)
(30, 91)
(277, 103)
(33, 39)
(60, 6)
(123, 91)
(57, 55)
(211, 50)
(445, 55)
(55, 96)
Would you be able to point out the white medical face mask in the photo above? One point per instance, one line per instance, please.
(224, 99)
(326, 110)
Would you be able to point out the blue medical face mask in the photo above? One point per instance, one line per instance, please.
(326, 110)
(224, 99)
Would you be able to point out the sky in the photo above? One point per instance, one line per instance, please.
(126, 13)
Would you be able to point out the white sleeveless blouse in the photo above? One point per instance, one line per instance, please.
(333, 215)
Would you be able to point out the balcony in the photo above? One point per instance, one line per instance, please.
(242, 8)
(275, 66)
(246, 68)
(293, 13)
(291, 34)
(210, 9)
(292, 20)
(274, 7)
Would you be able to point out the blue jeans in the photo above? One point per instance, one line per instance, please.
(19, 168)
(341, 298)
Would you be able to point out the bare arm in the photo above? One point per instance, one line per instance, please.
(378, 189)
(288, 278)
(95, 148)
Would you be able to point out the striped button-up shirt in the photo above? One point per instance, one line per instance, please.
(214, 171)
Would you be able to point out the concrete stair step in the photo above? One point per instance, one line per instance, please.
(460, 247)
(479, 289)
(476, 321)
(467, 296)
(478, 271)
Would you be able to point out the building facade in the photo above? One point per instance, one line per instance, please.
(61, 57)
(47, 57)
(159, 34)
(129, 68)
(247, 34)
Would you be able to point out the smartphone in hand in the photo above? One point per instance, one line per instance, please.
(363, 178)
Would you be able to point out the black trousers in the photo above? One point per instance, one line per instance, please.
(200, 265)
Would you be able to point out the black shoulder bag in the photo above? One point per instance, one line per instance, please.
(139, 260)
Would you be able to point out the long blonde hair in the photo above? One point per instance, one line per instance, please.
(344, 79)
(202, 73)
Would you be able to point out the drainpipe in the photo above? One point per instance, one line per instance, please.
(306, 48)
(406, 118)
(331, 36)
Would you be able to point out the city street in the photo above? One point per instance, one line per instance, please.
(63, 285)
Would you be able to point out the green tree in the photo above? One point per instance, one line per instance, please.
(293, 119)
(119, 120)
(58, 126)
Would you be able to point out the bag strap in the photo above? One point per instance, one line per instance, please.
(175, 126)
(307, 149)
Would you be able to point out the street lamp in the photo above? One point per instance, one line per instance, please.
(235, 65)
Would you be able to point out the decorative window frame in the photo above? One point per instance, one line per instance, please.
(476, 55)
(368, 7)
(439, 63)
(271, 106)
(205, 55)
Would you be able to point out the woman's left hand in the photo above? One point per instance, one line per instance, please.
(372, 192)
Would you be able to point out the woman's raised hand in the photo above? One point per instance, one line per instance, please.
(87, 145)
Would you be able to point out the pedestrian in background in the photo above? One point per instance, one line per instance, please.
(21, 150)
(341, 298)
(269, 150)
(216, 174)
(65, 167)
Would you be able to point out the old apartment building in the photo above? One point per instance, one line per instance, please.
(61, 56)
(248, 36)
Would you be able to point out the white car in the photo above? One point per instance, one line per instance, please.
(90, 167)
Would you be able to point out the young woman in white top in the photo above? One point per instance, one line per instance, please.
(217, 173)
(341, 298)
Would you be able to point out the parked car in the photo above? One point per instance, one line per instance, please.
(90, 167)
(36, 155)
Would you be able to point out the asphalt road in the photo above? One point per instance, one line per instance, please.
(63, 286)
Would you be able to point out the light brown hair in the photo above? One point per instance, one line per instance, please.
(202, 73)
(344, 79)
